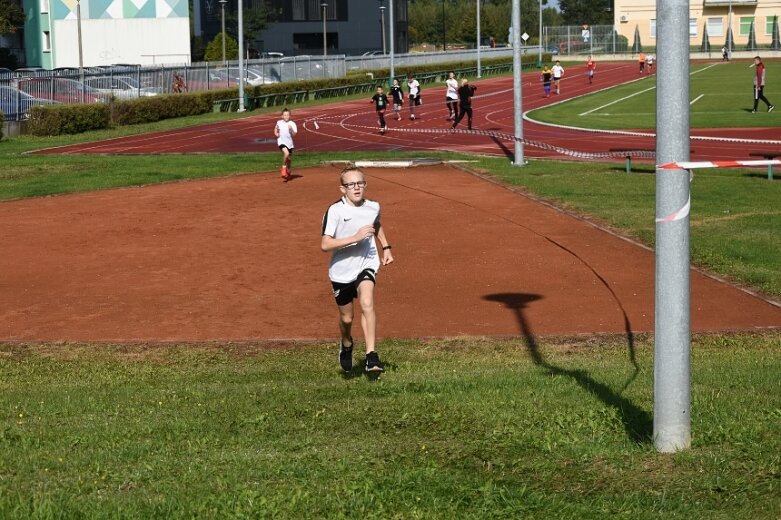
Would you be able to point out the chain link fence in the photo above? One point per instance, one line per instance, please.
(584, 40)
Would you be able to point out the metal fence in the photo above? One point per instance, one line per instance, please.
(21, 90)
(583, 40)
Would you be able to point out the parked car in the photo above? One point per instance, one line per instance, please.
(31, 71)
(15, 104)
(120, 87)
(5, 73)
(231, 77)
(63, 90)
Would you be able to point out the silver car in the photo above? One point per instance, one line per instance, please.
(120, 87)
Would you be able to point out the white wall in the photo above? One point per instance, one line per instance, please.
(143, 41)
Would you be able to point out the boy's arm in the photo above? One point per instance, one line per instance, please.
(276, 130)
(329, 243)
(387, 256)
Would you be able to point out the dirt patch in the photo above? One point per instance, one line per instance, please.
(238, 259)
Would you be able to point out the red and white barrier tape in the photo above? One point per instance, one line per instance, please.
(693, 165)
(318, 121)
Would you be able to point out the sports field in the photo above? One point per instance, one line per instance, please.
(167, 347)
(721, 96)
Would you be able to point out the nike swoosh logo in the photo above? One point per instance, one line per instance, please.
(347, 219)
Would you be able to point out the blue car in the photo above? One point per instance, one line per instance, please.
(15, 104)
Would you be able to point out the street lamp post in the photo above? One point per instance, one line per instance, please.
(479, 72)
(539, 39)
(222, 6)
(242, 107)
(81, 52)
(382, 27)
(324, 5)
(444, 44)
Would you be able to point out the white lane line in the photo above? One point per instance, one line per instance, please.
(642, 91)
(617, 101)
(696, 99)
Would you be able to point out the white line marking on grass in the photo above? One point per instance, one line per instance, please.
(641, 92)
(693, 101)
(617, 101)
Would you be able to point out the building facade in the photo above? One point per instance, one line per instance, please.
(715, 16)
(112, 31)
(351, 26)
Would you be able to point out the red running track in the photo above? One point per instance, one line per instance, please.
(352, 126)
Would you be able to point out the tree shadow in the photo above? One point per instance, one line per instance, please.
(637, 422)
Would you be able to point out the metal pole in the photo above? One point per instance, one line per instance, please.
(222, 5)
(78, 29)
(539, 38)
(242, 108)
(324, 5)
(444, 44)
(518, 84)
(478, 39)
(81, 52)
(672, 338)
(729, 33)
(382, 28)
(392, 41)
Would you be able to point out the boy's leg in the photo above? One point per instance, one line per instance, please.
(369, 324)
(285, 162)
(469, 117)
(346, 339)
(368, 316)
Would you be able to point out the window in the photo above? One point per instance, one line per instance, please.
(44, 6)
(715, 27)
(653, 28)
(769, 25)
(299, 10)
(692, 27)
(745, 25)
(47, 41)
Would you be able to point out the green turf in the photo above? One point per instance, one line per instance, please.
(726, 102)
(453, 429)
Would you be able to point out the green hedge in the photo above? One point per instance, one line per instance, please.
(68, 119)
(73, 119)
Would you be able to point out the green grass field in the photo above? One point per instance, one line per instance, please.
(721, 96)
(454, 429)
(474, 428)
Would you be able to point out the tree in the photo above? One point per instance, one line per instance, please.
(255, 20)
(592, 12)
(214, 49)
(11, 16)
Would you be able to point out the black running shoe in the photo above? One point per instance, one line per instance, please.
(770, 108)
(346, 357)
(373, 363)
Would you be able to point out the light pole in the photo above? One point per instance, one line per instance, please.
(81, 52)
(222, 6)
(729, 32)
(241, 108)
(539, 38)
(324, 5)
(478, 39)
(382, 27)
(444, 44)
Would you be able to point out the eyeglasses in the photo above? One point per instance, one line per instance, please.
(351, 185)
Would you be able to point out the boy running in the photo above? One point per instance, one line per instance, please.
(558, 72)
(380, 101)
(284, 131)
(351, 229)
(414, 94)
(465, 93)
(398, 98)
(591, 66)
(451, 97)
(545, 76)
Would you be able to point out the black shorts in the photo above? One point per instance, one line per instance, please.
(345, 293)
(290, 150)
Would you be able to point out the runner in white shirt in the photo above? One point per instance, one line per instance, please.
(451, 98)
(351, 228)
(558, 72)
(414, 94)
(284, 131)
